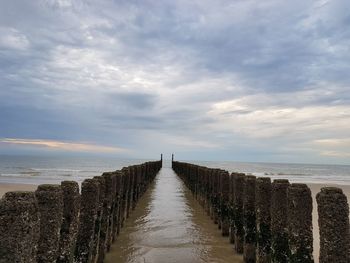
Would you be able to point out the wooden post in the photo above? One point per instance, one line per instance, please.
(249, 220)
(19, 227)
(263, 219)
(279, 221)
(300, 224)
(239, 223)
(50, 202)
(87, 220)
(333, 220)
(69, 228)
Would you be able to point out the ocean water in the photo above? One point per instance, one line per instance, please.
(295, 173)
(49, 169)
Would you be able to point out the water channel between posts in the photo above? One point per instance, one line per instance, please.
(170, 226)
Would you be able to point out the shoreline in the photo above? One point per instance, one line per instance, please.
(8, 187)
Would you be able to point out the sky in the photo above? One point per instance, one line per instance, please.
(259, 81)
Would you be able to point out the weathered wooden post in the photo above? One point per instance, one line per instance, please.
(121, 200)
(87, 220)
(105, 222)
(224, 206)
(263, 219)
(99, 217)
(69, 228)
(300, 224)
(216, 198)
(238, 198)
(111, 211)
(50, 203)
(211, 193)
(232, 208)
(116, 213)
(279, 221)
(249, 220)
(333, 220)
(207, 190)
(19, 227)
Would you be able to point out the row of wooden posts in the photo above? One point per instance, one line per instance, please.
(58, 224)
(271, 221)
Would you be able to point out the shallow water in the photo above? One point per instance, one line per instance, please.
(168, 225)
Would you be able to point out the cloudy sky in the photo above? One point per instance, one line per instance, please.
(242, 80)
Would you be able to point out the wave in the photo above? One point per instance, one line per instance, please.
(56, 170)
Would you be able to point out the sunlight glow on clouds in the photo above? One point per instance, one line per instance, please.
(67, 146)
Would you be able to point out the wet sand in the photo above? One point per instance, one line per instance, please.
(169, 225)
(16, 187)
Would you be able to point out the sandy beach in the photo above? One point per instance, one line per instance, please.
(315, 188)
(16, 187)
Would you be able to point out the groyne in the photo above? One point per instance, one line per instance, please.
(56, 223)
(270, 221)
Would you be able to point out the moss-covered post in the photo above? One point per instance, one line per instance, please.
(212, 193)
(19, 227)
(69, 228)
(279, 221)
(238, 198)
(50, 202)
(99, 217)
(263, 219)
(130, 191)
(106, 218)
(249, 255)
(232, 208)
(121, 203)
(88, 213)
(207, 190)
(126, 181)
(300, 224)
(116, 212)
(216, 197)
(224, 205)
(333, 221)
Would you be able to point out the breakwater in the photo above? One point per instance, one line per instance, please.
(57, 223)
(270, 221)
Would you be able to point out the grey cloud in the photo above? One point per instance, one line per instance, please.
(112, 71)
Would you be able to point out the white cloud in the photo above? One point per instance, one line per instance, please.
(11, 38)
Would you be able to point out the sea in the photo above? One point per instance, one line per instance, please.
(54, 169)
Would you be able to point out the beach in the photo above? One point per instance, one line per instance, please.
(16, 187)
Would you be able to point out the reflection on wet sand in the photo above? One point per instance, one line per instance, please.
(169, 225)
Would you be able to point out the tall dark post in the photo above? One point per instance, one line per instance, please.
(238, 199)
(50, 202)
(87, 220)
(106, 214)
(116, 213)
(19, 227)
(300, 224)
(333, 220)
(161, 157)
(69, 228)
(99, 217)
(263, 219)
(279, 221)
(232, 208)
(224, 206)
(249, 220)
